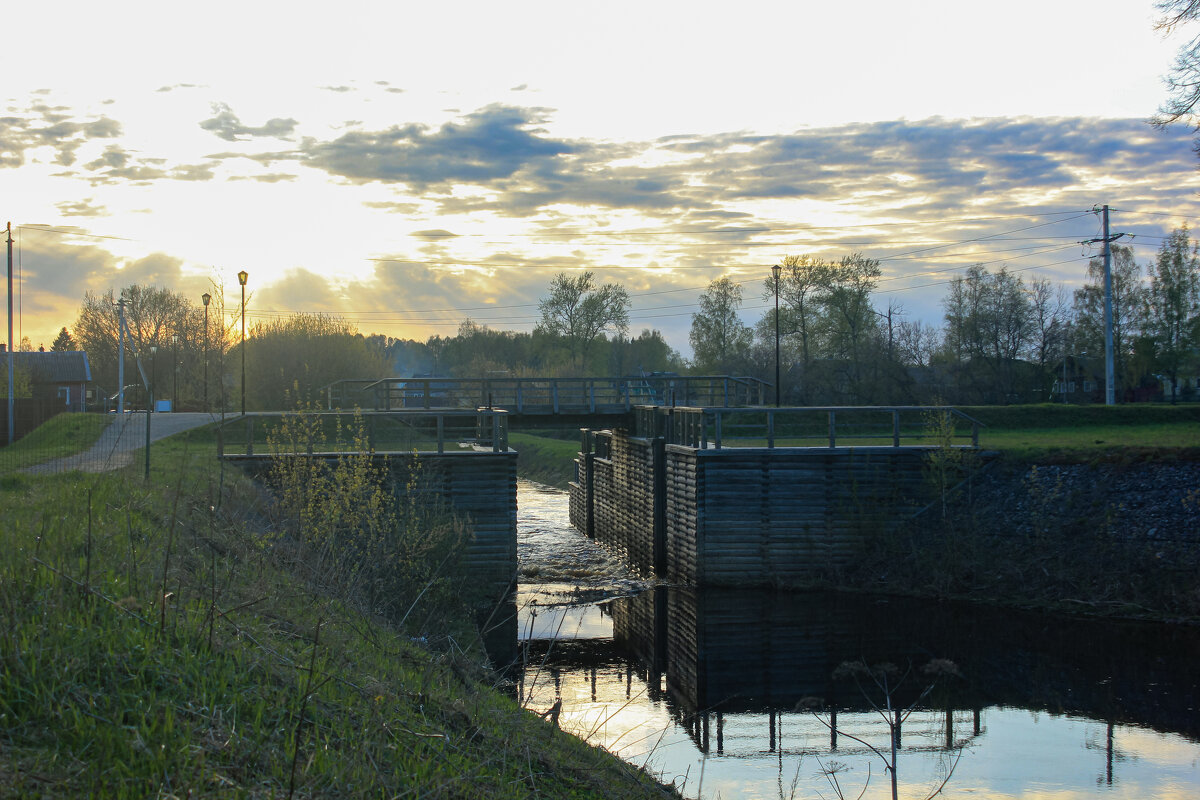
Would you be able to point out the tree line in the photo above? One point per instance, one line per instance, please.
(1002, 338)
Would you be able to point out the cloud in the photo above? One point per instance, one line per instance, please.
(490, 144)
(81, 208)
(226, 125)
(43, 126)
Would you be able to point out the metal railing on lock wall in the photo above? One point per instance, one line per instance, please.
(480, 430)
(827, 426)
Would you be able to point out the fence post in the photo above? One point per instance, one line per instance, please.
(832, 429)
(554, 394)
(895, 428)
(770, 428)
(441, 434)
(717, 429)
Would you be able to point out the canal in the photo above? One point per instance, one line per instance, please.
(733, 694)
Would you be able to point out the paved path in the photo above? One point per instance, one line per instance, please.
(127, 434)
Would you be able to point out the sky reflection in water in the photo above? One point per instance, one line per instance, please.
(636, 675)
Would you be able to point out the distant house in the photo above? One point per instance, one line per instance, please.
(58, 381)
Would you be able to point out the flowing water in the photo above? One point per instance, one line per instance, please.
(703, 688)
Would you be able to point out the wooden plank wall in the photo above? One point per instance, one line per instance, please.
(747, 516)
(623, 500)
(482, 488)
(777, 516)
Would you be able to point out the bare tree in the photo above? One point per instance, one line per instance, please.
(1183, 81)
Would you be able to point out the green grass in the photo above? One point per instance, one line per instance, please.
(61, 435)
(544, 459)
(1063, 434)
(158, 642)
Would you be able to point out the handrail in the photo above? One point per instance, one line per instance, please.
(545, 395)
(719, 427)
(335, 432)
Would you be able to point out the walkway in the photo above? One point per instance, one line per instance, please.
(126, 435)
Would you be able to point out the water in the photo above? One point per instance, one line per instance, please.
(702, 688)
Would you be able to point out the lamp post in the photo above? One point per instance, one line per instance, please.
(206, 298)
(150, 404)
(175, 377)
(242, 276)
(153, 375)
(775, 272)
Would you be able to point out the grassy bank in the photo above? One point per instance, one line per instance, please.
(1083, 434)
(544, 459)
(159, 641)
(62, 435)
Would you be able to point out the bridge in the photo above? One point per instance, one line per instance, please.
(533, 397)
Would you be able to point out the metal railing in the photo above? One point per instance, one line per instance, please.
(826, 426)
(335, 432)
(546, 395)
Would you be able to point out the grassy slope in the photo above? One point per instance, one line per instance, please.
(1066, 434)
(545, 460)
(61, 435)
(154, 645)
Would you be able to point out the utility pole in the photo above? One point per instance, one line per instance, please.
(1110, 392)
(121, 356)
(11, 360)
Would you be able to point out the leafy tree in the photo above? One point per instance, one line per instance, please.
(989, 326)
(850, 322)
(63, 342)
(647, 352)
(718, 337)
(1172, 300)
(579, 312)
(291, 360)
(1128, 307)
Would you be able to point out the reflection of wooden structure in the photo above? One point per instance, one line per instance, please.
(735, 651)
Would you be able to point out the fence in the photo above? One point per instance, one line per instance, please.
(545, 395)
(335, 432)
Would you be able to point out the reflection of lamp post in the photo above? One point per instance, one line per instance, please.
(775, 271)
(206, 298)
(175, 377)
(242, 276)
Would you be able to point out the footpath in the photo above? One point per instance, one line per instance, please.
(125, 435)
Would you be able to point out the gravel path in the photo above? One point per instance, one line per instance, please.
(121, 439)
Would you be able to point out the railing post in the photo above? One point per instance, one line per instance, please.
(975, 434)
(441, 434)
(717, 429)
(520, 398)
(425, 390)
(832, 429)
(554, 394)
(495, 432)
(703, 430)
(249, 436)
(592, 396)
(895, 428)
(770, 428)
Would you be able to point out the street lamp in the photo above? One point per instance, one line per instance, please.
(242, 276)
(776, 270)
(175, 377)
(206, 298)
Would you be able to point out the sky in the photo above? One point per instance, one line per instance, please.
(406, 166)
